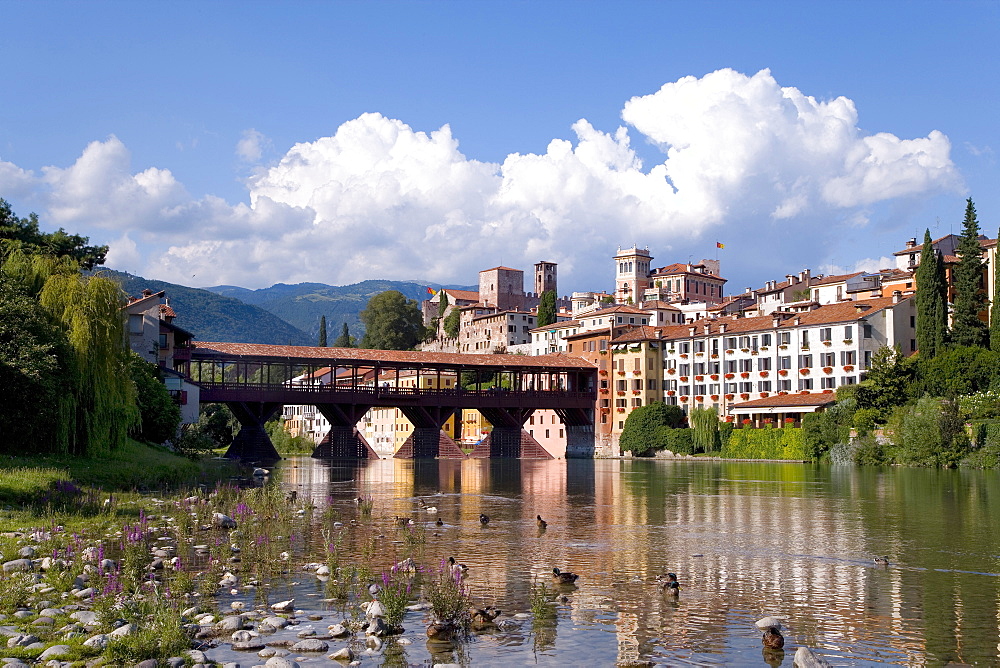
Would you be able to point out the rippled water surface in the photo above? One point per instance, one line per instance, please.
(746, 540)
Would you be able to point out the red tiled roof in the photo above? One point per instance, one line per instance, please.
(826, 280)
(681, 268)
(790, 400)
(621, 308)
(167, 312)
(501, 267)
(556, 325)
(465, 295)
(640, 333)
(346, 355)
(658, 304)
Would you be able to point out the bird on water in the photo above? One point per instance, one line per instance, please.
(484, 519)
(882, 561)
(563, 577)
(540, 522)
(669, 584)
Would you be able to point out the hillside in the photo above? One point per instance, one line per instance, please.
(215, 317)
(303, 304)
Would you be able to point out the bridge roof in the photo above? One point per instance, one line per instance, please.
(258, 351)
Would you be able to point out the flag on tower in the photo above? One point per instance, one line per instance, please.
(719, 245)
(431, 291)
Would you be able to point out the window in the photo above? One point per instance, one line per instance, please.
(785, 362)
(784, 385)
(685, 369)
(604, 344)
(746, 388)
(805, 383)
(913, 321)
(685, 390)
(847, 357)
(848, 380)
(135, 323)
(730, 342)
(805, 338)
(621, 385)
(699, 346)
(746, 365)
(764, 386)
(713, 388)
(604, 384)
(826, 334)
(744, 342)
(636, 402)
(651, 384)
(163, 341)
(699, 368)
(827, 383)
(730, 366)
(868, 358)
(730, 388)
(827, 359)
(546, 433)
(637, 384)
(866, 331)
(848, 333)
(684, 347)
(764, 364)
(784, 338)
(805, 361)
(713, 367)
(765, 339)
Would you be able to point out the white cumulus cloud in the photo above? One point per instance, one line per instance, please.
(743, 160)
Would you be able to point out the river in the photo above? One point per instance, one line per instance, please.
(745, 539)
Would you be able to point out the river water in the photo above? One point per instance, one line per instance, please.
(746, 540)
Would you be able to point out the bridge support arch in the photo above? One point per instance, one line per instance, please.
(343, 441)
(508, 439)
(428, 439)
(252, 444)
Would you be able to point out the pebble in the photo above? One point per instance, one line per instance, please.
(281, 662)
(54, 652)
(241, 636)
(343, 654)
(231, 623)
(768, 622)
(274, 622)
(100, 641)
(284, 606)
(85, 617)
(338, 631)
(249, 646)
(310, 645)
(124, 630)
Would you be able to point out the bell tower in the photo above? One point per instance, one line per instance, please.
(545, 277)
(631, 274)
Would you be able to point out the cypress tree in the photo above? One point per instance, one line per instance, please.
(546, 308)
(344, 340)
(966, 327)
(995, 306)
(322, 332)
(932, 310)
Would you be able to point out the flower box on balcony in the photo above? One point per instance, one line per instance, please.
(699, 354)
(747, 421)
(782, 372)
(764, 395)
(603, 372)
(729, 397)
(684, 399)
(603, 352)
(714, 376)
(730, 376)
(744, 395)
(671, 393)
(753, 352)
(803, 391)
(621, 410)
(848, 367)
(621, 393)
(828, 343)
(684, 356)
(671, 371)
(715, 397)
(604, 390)
(635, 391)
(671, 351)
(745, 350)
(805, 346)
(804, 372)
(605, 409)
(730, 351)
(684, 379)
(768, 420)
(782, 393)
(827, 391)
(848, 341)
(789, 420)
(764, 348)
(764, 374)
(621, 373)
(783, 347)
(699, 378)
(828, 369)
(715, 356)
(699, 398)
(745, 374)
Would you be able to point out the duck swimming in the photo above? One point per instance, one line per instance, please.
(439, 522)
(457, 567)
(540, 522)
(882, 561)
(669, 584)
(772, 638)
(561, 577)
(484, 519)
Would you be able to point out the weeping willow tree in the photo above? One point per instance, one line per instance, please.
(96, 405)
(705, 423)
(89, 310)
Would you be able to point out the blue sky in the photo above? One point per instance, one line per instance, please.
(253, 143)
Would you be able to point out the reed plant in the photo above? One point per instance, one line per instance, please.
(448, 596)
(394, 595)
(540, 600)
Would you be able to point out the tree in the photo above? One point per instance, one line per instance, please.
(970, 299)
(23, 234)
(645, 427)
(995, 306)
(959, 371)
(392, 322)
(345, 340)
(886, 384)
(547, 308)
(705, 423)
(931, 302)
(453, 323)
(443, 301)
(322, 332)
(159, 415)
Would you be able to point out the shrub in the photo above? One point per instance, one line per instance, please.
(643, 431)
(766, 444)
(679, 441)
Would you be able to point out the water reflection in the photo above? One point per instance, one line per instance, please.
(747, 540)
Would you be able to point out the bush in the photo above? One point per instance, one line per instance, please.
(747, 443)
(868, 451)
(159, 415)
(928, 433)
(643, 431)
(679, 441)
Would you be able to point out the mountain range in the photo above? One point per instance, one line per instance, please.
(281, 314)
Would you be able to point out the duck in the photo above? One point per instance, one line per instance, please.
(882, 561)
(484, 519)
(439, 522)
(403, 521)
(563, 577)
(457, 567)
(292, 496)
(772, 638)
(669, 584)
(542, 524)
(483, 617)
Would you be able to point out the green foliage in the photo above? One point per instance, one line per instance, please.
(392, 322)
(867, 450)
(159, 415)
(931, 301)
(959, 370)
(345, 340)
(453, 323)
(986, 454)
(995, 307)
(823, 430)
(23, 234)
(980, 405)
(970, 298)
(680, 441)
(35, 374)
(646, 428)
(321, 342)
(705, 425)
(887, 383)
(767, 443)
(284, 442)
(928, 433)
(218, 423)
(546, 308)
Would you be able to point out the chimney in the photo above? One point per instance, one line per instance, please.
(691, 331)
(722, 328)
(860, 308)
(775, 321)
(804, 275)
(789, 277)
(659, 333)
(797, 321)
(897, 296)
(912, 242)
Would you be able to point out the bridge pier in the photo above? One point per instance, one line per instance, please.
(579, 432)
(252, 444)
(508, 439)
(343, 441)
(428, 439)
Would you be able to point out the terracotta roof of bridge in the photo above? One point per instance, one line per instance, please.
(259, 350)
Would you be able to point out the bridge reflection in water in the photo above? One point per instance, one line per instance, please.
(256, 380)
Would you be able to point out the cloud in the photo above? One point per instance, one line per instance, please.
(250, 147)
(743, 160)
(865, 264)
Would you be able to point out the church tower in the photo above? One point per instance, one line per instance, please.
(545, 278)
(631, 274)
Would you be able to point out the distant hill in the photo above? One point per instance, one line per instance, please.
(303, 304)
(215, 317)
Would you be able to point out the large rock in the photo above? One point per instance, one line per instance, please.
(55, 652)
(85, 617)
(274, 623)
(223, 521)
(125, 630)
(343, 654)
(231, 623)
(310, 645)
(17, 565)
(281, 662)
(100, 641)
(806, 658)
(284, 606)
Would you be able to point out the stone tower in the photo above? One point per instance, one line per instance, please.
(502, 287)
(631, 274)
(545, 278)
